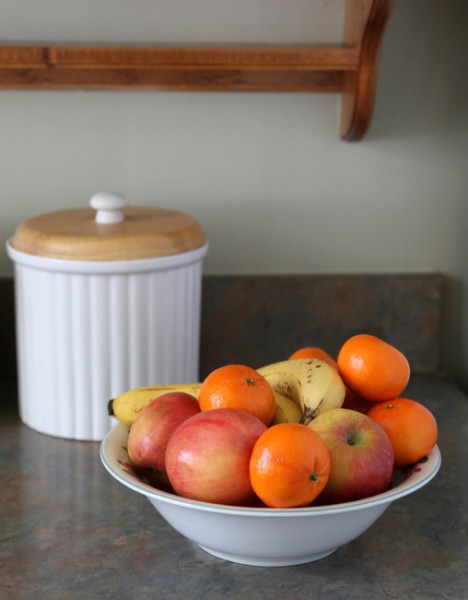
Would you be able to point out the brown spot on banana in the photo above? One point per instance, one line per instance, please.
(310, 413)
(293, 392)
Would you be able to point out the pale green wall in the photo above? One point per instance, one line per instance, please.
(266, 174)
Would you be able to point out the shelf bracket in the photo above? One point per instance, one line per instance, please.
(365, 22)
(349, 68)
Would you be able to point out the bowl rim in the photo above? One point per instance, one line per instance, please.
(113, 445)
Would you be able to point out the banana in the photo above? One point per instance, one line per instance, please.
(313, 384)
(126, 406)
(287, 411)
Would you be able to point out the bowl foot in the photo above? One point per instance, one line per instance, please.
(268, 562)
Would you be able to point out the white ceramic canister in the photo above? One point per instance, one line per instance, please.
(108, 298)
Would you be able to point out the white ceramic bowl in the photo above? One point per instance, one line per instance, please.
(263, 536)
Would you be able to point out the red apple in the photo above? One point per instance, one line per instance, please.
(361, 455)
(154, 425)
(208, 456)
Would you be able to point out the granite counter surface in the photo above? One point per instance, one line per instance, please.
(69, 531)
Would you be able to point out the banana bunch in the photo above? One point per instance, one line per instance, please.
(126, 407)
(303, 388)
(313, 385)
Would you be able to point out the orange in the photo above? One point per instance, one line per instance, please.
(411, 427)
(372, 368)
(314, 352)
(289, 465)
(241, 387)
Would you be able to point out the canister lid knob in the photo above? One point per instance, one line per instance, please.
(109, 207)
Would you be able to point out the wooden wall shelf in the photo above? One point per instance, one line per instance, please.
(350, 68)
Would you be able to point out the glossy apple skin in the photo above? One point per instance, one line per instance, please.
(361, 455)
(208, 456)
(154, 425)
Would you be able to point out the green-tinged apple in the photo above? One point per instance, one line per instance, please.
(361, 455)
(154, 425)
(208, 456)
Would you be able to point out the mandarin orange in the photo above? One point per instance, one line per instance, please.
(373, 368)
(289, 466)
(314, 352)
(241, 387)
(411, 427)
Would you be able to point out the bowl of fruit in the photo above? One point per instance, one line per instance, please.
(273, 466)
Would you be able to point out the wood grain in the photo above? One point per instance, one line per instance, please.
(179, 69)
(364, 27)
(75, 235)
(350, 68)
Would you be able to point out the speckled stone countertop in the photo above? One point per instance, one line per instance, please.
(69, 531)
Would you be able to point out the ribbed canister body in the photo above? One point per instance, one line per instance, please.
(90, 330)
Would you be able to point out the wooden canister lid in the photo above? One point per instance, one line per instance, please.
(109, 231)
